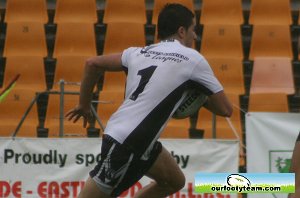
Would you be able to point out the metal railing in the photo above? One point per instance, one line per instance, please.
(61, 92)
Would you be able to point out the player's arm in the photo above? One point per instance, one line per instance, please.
(219, 104)
(93, 68)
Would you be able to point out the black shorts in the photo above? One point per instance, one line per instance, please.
(119, 167)
(298, 138)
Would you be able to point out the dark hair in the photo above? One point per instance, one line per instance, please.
(171, 17)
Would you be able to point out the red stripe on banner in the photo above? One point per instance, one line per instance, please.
(29, 192)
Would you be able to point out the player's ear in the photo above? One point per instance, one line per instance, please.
(181, 32)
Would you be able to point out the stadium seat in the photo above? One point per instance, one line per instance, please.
(75, 39)
(31, 70)
(112, 96)
(221, 12)
(70, 69)
(76, 11)
(222, 41)
(26, 11)
(52, 121)
(268, 102)
(270, 12)
(177, 128)
(132, 34)
(223, 128)
(114, 81)
(125, 11)
(271, 40)
(272, 75)
(113, 85)
(116, 41)
(229, 72)
(299, 17)
(159, 4)
(13, 108)
(109, 103)
(298, 43)
(25, 39)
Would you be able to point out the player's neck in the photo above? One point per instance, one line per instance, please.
(173, 38)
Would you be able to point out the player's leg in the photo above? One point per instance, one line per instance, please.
(295, 168)
(168, 178)
(103, 178)
(91, 190)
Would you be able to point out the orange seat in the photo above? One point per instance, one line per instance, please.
(271, 40)
(13, 108)
(75, 11)
(75, 39)
(111, 96)
(26, 11)
(299, 47)
(299, 17)
(159, 4)
(221, 12)
(268, 102)
(108, 105)
(53, 117)
(223, 128)
(31, 70)
(272, 75)
(114, 81)
(132, 34)
(270, 12)
(229, 72)
(125, 11)
(70, 69)
(222, 41)
(177, 129)
(25, 39)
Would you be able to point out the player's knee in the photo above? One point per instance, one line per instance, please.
(180, 183)
(174, 185)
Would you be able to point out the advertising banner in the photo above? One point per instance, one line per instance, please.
(270, 139)
(47, 167)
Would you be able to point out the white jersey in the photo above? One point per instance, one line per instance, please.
(157, 77)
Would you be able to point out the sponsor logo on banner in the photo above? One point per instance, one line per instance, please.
(245, 183)
(280, 161)
(270, 140)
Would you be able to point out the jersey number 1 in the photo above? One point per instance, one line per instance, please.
(145, 77)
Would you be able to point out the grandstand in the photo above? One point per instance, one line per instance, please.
(236, 44)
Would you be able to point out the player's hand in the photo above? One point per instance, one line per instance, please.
(77, 112)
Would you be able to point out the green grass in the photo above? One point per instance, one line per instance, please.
(207, 188)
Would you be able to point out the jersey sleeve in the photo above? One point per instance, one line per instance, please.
(126, 55)
(204, 77)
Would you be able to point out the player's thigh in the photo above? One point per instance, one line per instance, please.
(91, 190)
(296, 164)
(166, 171)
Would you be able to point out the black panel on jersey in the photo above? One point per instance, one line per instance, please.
(203, 89)
(142, 136)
